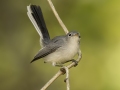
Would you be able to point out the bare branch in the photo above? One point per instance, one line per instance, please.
(67, 78)
(57, 16)
(52, 80)
(69, 66)
(60, 73)
(55, 77)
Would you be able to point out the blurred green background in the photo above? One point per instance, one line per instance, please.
(98, 22)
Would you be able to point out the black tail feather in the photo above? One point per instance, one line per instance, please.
(38, 16)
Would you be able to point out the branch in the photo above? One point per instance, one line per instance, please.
(57, 16)
(60, 73)
(67, 78)
(67, 67)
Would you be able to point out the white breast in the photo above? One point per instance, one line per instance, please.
(65, 53)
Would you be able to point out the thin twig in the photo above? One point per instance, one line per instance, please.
(51, 80)
(60, 73)
(69, 66)
(67, 78)
(57, 16)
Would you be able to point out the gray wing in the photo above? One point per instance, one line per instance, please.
(45, 51)
(54, 44)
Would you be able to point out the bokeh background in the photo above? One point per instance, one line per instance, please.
(98, 22)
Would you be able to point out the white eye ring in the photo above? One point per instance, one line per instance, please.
(70, 34)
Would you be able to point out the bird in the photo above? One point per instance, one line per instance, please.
(58, 50)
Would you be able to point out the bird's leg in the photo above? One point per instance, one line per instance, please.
(56, 64)
(73, 60)
(76, 62)
(62, 69)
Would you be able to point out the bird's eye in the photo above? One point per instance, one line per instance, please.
(70, 34)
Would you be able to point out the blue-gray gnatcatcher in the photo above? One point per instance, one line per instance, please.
(58, 50)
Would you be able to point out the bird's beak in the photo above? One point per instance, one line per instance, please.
(77, 34)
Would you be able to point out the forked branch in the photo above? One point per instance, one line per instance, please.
(67, 67)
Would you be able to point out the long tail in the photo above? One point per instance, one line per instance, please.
(35, 15)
